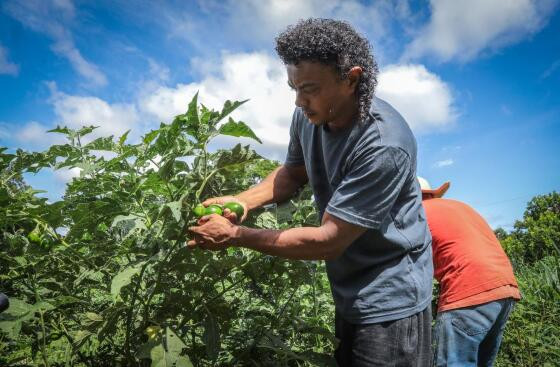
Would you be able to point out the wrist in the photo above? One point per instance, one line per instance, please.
(237, 235)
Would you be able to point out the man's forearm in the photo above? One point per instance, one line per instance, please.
(303, 243)
(278, 186)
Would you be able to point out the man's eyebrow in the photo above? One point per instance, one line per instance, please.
(304, 85)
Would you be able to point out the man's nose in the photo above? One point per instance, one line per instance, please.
(300, 101)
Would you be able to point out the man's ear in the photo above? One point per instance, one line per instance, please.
(354, 76)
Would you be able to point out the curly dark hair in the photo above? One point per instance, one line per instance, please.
(335, 43)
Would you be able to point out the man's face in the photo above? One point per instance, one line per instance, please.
(320, 92)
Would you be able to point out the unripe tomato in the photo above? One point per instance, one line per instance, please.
(34, 236)
(236, 208)
(199, 211)
(213, 209)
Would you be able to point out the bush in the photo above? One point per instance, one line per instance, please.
(532, 334)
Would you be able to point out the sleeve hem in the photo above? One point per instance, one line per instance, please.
(291, 162)
(353, 218)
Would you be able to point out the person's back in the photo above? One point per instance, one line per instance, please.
(477, 285)
(468, 258)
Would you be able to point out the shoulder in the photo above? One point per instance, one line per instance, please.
(391, 127)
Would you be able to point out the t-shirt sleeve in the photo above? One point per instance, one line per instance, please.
(369, 190)
(294, 157)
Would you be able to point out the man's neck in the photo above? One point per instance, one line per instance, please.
(345, 120)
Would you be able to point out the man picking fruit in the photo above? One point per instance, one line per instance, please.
(359, 156)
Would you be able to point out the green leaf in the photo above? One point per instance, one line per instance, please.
(238, 129)
(80, 337)
(123, 137)
(129, 224)
(239, 154)
(11, 320)
(266, 220)
(103, 143)
(166, 170)
(61, 130)
(175, 208)
(86, 130)
(124, 278)
(149, 137)
(174, 347)
(229, 107)
(192, 111)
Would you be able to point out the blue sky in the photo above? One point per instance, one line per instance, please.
(477, 81)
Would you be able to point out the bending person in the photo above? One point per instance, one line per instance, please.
(477, 285)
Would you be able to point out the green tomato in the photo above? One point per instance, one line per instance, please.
(199, 211)
(34, 236)
(236, 208)
(213, 209)
(152, 331)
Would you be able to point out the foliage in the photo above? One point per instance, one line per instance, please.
(532, 335)
(102, 277)
(538, 234)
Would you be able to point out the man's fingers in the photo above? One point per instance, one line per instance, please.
(203, 220)
(231, 216)
(218, 200)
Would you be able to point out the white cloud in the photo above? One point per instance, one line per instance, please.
(54, 19)
(7, 67)
(257, 22)
(444, 163)
(464, 29)
(65, 175)
(255, 76)
(33, 132)
(159, 71)
(424, 100)
(77, 111)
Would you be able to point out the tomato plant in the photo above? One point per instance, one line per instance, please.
(116, 285)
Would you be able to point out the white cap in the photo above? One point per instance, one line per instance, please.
(427, 188)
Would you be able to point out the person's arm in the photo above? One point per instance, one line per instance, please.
(326, 242)
(277, 187)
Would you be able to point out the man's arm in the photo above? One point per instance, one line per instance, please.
(277, 187)
(326, 242)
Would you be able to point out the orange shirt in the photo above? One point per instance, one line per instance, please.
(469, 262)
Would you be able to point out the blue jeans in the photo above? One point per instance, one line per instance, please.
(471, 336)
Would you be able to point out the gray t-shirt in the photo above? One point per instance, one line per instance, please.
(366, 175)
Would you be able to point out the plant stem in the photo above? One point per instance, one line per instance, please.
(44, 345)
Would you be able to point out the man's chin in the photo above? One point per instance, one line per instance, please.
(314, 119)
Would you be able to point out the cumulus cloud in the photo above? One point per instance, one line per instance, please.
(77, 111)
(34, 136)
(65, 175)
(53, 19)
(463, 29)
(255, 76)
(424, 100)
(255, 23)
(7, 67)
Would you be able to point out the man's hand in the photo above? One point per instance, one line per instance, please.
(228, 213)
(213, 232)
